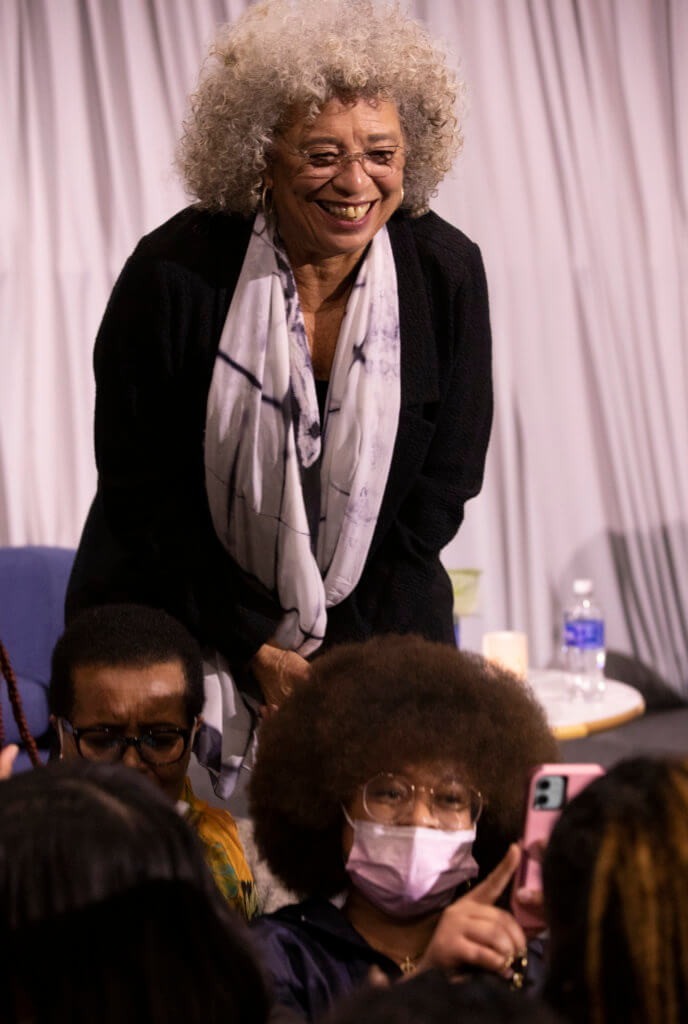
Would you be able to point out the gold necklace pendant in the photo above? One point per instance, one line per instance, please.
(408, 965)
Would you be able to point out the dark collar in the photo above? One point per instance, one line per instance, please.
(319, 917)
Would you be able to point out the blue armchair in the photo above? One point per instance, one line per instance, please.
(33, 581)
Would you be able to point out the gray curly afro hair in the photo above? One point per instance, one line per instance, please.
(282, 54)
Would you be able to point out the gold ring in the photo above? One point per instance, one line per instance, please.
(520, 963)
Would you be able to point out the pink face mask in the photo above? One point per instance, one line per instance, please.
(409, 870)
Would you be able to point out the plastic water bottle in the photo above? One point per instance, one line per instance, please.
(583, 642)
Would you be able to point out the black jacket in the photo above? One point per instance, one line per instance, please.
(314, 957)
(149, 537)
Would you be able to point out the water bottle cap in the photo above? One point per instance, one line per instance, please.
(582, 587)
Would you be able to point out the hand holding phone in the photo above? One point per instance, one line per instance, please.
(550, 789)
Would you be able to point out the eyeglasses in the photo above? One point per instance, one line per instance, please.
(154, 746)
(389, 799)
(323, 162)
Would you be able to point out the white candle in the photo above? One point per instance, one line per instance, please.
(508, 649)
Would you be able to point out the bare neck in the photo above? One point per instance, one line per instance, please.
(396, 938)
(325, 283)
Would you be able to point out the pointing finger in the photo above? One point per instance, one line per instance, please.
(492, 887)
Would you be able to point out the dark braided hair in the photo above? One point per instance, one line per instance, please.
(17, 709)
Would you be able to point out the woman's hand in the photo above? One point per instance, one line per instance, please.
(472, 932)
(7, 758)
(278, 673)
(531, 902)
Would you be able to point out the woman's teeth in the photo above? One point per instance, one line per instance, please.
(343, 212)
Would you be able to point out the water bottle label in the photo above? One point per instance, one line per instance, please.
(585, 634)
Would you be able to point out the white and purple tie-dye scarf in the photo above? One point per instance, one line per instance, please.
(295, 502)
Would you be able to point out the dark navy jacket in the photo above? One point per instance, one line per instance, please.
(314, 957)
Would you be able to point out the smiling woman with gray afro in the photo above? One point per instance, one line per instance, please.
(293, 375)
(283, 54)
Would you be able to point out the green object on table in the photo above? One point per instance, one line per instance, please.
(465, 585)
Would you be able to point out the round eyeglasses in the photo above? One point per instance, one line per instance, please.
(155, 746)
(389, 799)
(322, 162)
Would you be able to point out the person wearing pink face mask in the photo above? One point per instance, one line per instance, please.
(388, 795)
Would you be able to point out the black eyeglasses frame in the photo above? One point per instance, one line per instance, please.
(127, 741)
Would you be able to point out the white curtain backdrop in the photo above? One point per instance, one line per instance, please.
(574, 183)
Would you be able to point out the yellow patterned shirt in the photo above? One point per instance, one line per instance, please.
(223, 853)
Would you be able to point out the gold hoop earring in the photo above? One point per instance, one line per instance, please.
(266, 201)
(401, 201)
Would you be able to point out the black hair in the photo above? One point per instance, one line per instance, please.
(131, 635)
(615, 879)
(371, 707)
(108, 911)
(433, 998)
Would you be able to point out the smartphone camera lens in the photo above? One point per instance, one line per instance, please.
(543, 784)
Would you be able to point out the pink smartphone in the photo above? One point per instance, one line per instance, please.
(550, 789)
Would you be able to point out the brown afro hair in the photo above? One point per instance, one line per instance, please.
(377, 706)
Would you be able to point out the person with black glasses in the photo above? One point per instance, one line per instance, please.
(127, 687)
